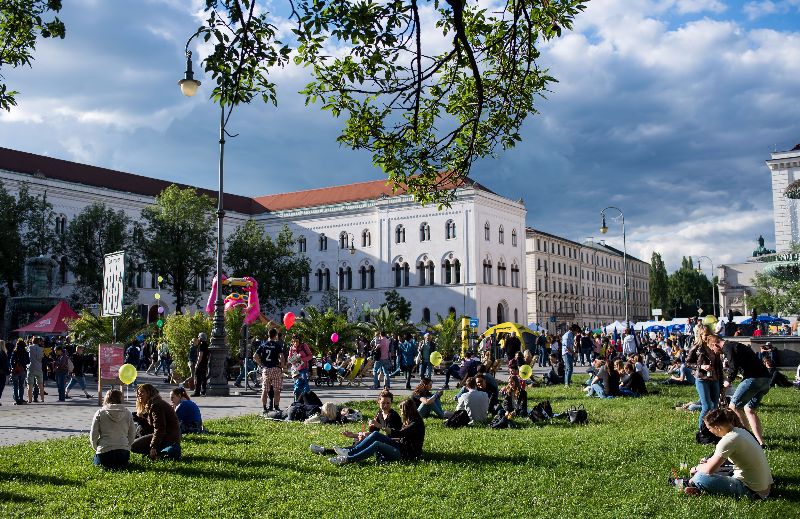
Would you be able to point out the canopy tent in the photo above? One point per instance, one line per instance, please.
(53, 322)
(508, 327)
(616, 325)
(764, 318)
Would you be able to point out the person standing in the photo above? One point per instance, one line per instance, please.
(201, 367)
(35, 372)
(19, 365)
(380, 356)
(513, 345)
(425, 349)
(78, 376)
(408, 350)
(568, 352)
(269, 357)
(5, 367)
(541, 343)
(754, 385)
(61, 370)
(629, 344)
(708, 375)
(191, 357)
(300, 355)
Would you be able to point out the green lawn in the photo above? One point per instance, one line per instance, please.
(617, 466)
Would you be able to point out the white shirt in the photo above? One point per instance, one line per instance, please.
(476, 403)
(749, 461)
(629, 345)
(641, 368)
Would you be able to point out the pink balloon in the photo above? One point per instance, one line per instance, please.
(288, 320)
(334, 337)
(161, 309)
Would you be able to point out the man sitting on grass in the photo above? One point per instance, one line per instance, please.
(474, 402)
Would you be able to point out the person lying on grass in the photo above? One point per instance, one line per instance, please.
(189, 416)
(386, 418)
(751, 473)
(159, 429)
(112, 432)
(631, 383)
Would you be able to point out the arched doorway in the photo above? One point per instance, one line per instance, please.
(501, 316)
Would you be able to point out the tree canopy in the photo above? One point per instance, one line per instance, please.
(659, 283)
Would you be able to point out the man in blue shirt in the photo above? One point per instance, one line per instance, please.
(568, 352)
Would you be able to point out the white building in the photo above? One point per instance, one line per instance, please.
(468, 258)
(785, 169)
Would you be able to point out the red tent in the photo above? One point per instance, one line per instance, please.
(52, 321)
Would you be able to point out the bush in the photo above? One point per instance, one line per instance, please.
(179, 330)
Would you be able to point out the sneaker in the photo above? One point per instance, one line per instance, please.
(341, 451)
(691, 490)
(87, 395)
(237, 384)
(316, 449)
(338, 460)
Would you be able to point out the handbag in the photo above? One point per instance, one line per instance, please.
(578, 415)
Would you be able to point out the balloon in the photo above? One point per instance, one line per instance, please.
(436, 358)
(327, 366)
(288, 320)
(160, 323)
(157, 295)
(709, 319)
(161, 309)
(160, 279)
(127, 374)
(334, 337)
(525, 371)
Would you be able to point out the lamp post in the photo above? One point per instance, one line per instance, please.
(351, 247)
(604, 230)
(713, 288)
(218, 383)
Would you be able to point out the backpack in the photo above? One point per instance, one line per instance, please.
(132, 355)
(299, 411)
(459, 418)
(578, 415)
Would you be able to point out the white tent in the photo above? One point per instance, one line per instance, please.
(620, 327)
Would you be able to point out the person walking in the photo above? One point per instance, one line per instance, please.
(191, 358)
(408, 350)
(5, 367)
(568, 352)
(541, 343)
(78, 377)
(201, 367)
(708, 375)
(19, 366)
(35, 372)
(382, 363)
(424, 354)
(61, 371)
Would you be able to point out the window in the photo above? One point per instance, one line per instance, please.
(487, 272)
(140, 276)
(348, 276)
(501, 315)
(63, 268)
(327, 274)
(457, 271)
(343, 241)
(421, 270)
(426, 315)
(366, 239)
(401, 274)
(513, 237)
(301, 244)
(61, 224)
(305, 281)
(424, 232)
(153, 280)
(323, 242)
(431, 268)
(486, 231)
(362, 272)
(448, 277)
(400, 234)
(514, 275)
(450, 230)
(488, 315)
(501, 274)
(501, 234)
(516, 315)
(371, 276)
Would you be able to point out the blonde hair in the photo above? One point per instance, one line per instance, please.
(113, 396)
(150, 396)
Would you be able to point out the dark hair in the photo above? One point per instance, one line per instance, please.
(721, 417)
(408, 411)
(470, 383)
(386, 394)
(273, 333)
(181, 393)
(422, 386)
(482, 369)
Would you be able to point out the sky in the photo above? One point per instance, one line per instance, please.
(666, 109)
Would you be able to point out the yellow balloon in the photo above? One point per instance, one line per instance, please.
(157, 295)
(160, 279)
(709, 319)
(436, 358)
(525, 371)
(127, 374)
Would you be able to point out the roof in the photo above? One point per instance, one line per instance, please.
(58, 169)
(612, 250)
(355, 192)
(553, 236)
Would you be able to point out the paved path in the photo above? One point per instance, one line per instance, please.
(53, 419)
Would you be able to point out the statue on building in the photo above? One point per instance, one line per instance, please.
(761, 250)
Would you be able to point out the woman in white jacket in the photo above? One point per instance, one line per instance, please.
(112, 432)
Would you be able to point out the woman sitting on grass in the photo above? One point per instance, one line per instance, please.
(556, 374)
(395, 444)
(427, 401)
(751, 473)
(189, 417)
(160, 431)
(631, 382)
(112, 432)
(515, 398)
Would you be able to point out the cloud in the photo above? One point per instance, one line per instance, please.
(755, 10)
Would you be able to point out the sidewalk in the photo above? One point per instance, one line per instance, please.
(54, 419)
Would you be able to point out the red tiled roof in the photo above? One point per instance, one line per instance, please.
(58, 169)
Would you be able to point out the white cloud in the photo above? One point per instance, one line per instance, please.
(758, 9)
(700, 6)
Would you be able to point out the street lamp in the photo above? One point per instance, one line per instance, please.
(604, 230)
(218, 384)
(713, 288)
(339, 279)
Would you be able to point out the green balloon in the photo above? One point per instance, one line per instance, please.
(159, 323)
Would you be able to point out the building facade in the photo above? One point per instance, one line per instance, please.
(361, 239)
(784, 168)
(583, 283)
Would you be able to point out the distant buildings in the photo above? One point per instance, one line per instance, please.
(784, 166)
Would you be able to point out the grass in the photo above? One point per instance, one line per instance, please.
(617, 466)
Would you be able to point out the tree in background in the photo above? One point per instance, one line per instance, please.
(92, 330)
(317, 326)
(38, 231)
(390, 322)
(334, 302)
(448, 334)
(179, 241)
(96, 231)
(11, 260)
(686, 287)
(275, 264)
(397, 304)
(778, 288)
(21, 23)
(659, 283)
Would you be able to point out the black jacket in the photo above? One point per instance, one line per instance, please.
(410, 437)
(742, 358)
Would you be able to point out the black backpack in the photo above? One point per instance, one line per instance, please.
(459, 418)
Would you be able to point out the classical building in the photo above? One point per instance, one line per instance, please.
(583, 283)
(784, 167)
(360, 238)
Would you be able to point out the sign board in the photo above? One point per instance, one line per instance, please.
(552, 318)
(111, 357)
(113, 283)
(656, 312)
(473, 322)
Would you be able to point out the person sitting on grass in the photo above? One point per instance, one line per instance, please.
(491, 392)
(776, 377)
(556, 374)
(159, 429)
(386, 418)
(631, 382)
(605, 383)
(681, 375)
(396, 444)
(474, 402)
(189, 416)
(641, 367)
(515, 398)
(751, 472)
(112, 432)
(427, 401)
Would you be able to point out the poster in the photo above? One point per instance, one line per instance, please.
(111, 357)
(113, 283)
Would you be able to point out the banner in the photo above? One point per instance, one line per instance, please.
(113, 283)
(111, 357)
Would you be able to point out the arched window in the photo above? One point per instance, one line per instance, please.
(362, 271)
(401, 274)
(301, 244)
(487, 271)
(63, 268)
(451, 310)
(348, 276)
(486, 231)
(424, 232)
(448, 276)
(153, 280)
(501, 317)
(320, 280)
(323, 242)
(513, 237)
(400, 234)
(366, 239)
(371, 276)
(426, 315)
(488, 316)
(456, 272)
(421, 271)
(450, 230)
(501, 234)
(431, 269)
(327, 274)
(61, 224)
(343, 240)
(515, 275)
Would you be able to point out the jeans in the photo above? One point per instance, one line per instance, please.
(407, 370)
(569, 361)
(433, 405)
(19, 387)
(708, 390)
(381, 365)
(543, 358)
(750, 391)
(77, 380)
(163, 366)
(452, 371)
(249, 367)
(61, 383)
(722, 485)
(596, 390)
(425, 369)
(378, 444)
(624, 391)
(115, 459)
